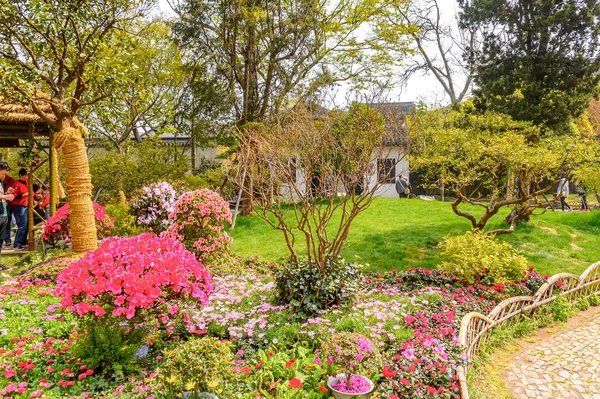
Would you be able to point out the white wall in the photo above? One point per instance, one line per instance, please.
(389, 190)
(384, 191)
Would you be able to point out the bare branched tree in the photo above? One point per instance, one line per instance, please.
(443, 49)
(316, 171)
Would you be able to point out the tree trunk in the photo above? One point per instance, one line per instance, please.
(248, 189)
(79, 186)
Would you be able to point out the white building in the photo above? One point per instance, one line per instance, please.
(387, 162)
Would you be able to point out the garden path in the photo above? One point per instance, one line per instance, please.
(564, 364)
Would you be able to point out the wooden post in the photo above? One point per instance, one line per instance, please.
(53, 175)
(193, 153)
(31, 235)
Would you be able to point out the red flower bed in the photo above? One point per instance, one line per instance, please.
(58, 227)
(425, 365)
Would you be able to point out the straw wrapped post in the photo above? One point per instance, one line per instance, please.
(79, 186)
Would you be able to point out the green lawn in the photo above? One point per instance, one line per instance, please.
(400, 233)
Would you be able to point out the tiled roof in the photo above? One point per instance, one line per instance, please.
(394, 114)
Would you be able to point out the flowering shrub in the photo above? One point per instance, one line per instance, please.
(154, 205)
(294, 373)
(58, 227)
(127, 275)
(199, 218)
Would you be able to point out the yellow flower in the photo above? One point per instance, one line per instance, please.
(190, 386)
(171, 379)
(212, 384)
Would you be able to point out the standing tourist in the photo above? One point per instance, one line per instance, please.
(4, 196)
(403, 187)
(20, 209)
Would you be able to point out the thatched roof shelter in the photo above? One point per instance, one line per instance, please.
(18, 121)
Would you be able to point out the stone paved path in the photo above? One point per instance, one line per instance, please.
(565, 364)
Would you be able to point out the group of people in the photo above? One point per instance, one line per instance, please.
(14, 204)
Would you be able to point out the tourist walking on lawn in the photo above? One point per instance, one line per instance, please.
(563, 192)
(584, 203)
(4, 196)
(403, 187)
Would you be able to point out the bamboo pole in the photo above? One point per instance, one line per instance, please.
(53, 175)
(31, 235)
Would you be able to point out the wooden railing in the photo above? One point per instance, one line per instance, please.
(475, 327)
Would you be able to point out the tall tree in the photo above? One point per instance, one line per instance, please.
(55, 53)
(540, 58)
(147, 104)
(263, 52)
(263, 55)
(440, 46)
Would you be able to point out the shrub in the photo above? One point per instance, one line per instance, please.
(58, 227)
(476, 256)
(132, 276)
(305, 287)
(560, 308)
(198, 365)
(582, 303)
(199, 218)
(594, 300)
(125, 225)
(154, 205)
(107, 348)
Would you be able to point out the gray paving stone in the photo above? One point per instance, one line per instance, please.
(566, 365)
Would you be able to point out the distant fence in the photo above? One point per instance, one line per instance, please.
(475, 326)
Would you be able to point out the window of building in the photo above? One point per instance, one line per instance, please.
(386, 170)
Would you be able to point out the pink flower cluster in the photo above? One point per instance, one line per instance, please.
(58, 227)
(126, 275)
(199, 218)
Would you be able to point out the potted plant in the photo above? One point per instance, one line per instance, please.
(350, 356)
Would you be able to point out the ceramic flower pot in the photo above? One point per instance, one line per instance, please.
(204, 395)
(332, 381)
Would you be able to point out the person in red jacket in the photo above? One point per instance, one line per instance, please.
(5, 195)
(19, 209)
(45, 201)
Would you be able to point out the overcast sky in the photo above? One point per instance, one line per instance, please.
(418, 88)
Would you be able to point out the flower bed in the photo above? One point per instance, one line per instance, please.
(414, 328)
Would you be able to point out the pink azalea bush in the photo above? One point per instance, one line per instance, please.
(58, 227)
(199, 218)
(127, 276)
(154, 205)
